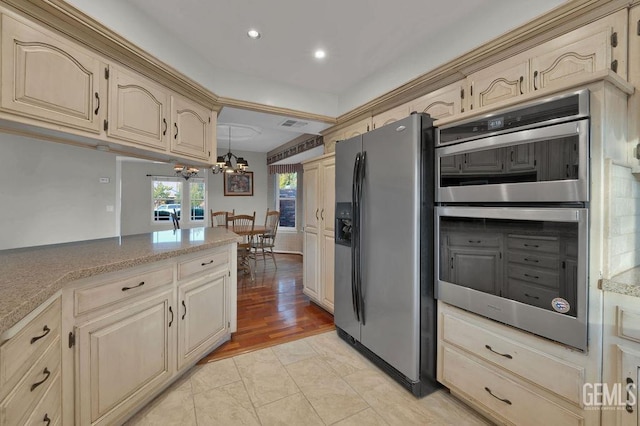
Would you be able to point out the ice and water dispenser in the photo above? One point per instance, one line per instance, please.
(343, 224)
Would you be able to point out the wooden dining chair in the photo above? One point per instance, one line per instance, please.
(267, 240)
(220, 218)
(243, 225)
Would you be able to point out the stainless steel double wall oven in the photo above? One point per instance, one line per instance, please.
(512, 199)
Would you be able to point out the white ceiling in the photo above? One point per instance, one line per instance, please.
(372, 47)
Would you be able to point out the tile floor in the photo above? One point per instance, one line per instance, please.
(318, 380)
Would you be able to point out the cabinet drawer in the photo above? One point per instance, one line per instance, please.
(32, 387)
(535, 260)
(540, 277)
(502, 395)
(49, 407)
(115, 290)
(18, 354)
(531, 294)
(628, 324)
(533, 244)
(201, 264)
(550, 373)
(474, 240)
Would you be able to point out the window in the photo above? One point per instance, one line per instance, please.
(170, 194)
(287, 191)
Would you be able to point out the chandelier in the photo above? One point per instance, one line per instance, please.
(224, 164)
(185, 171)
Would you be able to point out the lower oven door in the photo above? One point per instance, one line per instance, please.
(526, 267)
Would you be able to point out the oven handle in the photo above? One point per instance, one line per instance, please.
(563, 214)
(556, 131)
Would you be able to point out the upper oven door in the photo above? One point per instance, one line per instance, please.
(546, 164)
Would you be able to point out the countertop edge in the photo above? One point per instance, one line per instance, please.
(626, 283)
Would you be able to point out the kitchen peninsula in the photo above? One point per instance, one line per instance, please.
(100, 327)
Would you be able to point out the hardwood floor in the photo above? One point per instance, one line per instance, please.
(272, 309)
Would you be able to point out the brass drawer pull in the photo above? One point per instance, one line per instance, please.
(207, 263)
(46, 330)
(504, 355)
(46, 419)
(47, 373)
(185, 309)
(171, 312)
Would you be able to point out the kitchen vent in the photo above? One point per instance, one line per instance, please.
(293, 123)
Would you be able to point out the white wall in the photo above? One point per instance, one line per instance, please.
(51, 193)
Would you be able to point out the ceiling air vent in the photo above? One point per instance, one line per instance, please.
(291, 123)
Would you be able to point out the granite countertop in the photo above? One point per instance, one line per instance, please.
(627, 283)
(29, 276)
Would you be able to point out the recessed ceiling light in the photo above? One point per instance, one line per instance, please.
(253, 34)
(320, 54)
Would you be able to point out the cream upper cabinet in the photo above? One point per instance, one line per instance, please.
(138, 109)
(390, 116)
(444, 102)
(46, 77)
(586, 56)
(318, 244)
(358, 128)
(193, 129)
(202, 315)
(499, 82)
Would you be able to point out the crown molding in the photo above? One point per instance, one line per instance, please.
(270, 109)
(564, 18)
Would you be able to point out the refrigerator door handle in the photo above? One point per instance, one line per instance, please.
(354, 237)
(361, 176)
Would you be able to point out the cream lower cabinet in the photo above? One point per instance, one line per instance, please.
(203, 315)
(30, 369)
(621, 359)
(510, 376)
(46, 77)
(318, 244)
(128, 334)
(123, 356)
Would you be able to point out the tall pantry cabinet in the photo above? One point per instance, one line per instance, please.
(319, 223)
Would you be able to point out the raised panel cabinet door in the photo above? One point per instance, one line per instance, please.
(499, 82)
(586, 56)
(479, 269)
(202, 316)
(138, 109)
(327, 276)
(442, 103)
(358, 128)
(488, 161)
(51, 79)
(521, 158)
(327, 211)
(311, 188)
(628, 375)
(192, 131)
(310, 265)
(122, 357)
(390, 116)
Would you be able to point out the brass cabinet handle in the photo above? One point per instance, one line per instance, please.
(46, 419)
(207, 263)
(164, 121)
(322, 214)
(521, 81)
(176, 135)
(317, 218)
(135, 286)
(171, 312)
(47, 373)
(185, 309)
(535, 75)
(46, 330)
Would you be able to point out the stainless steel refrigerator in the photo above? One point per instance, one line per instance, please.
(384, 300)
